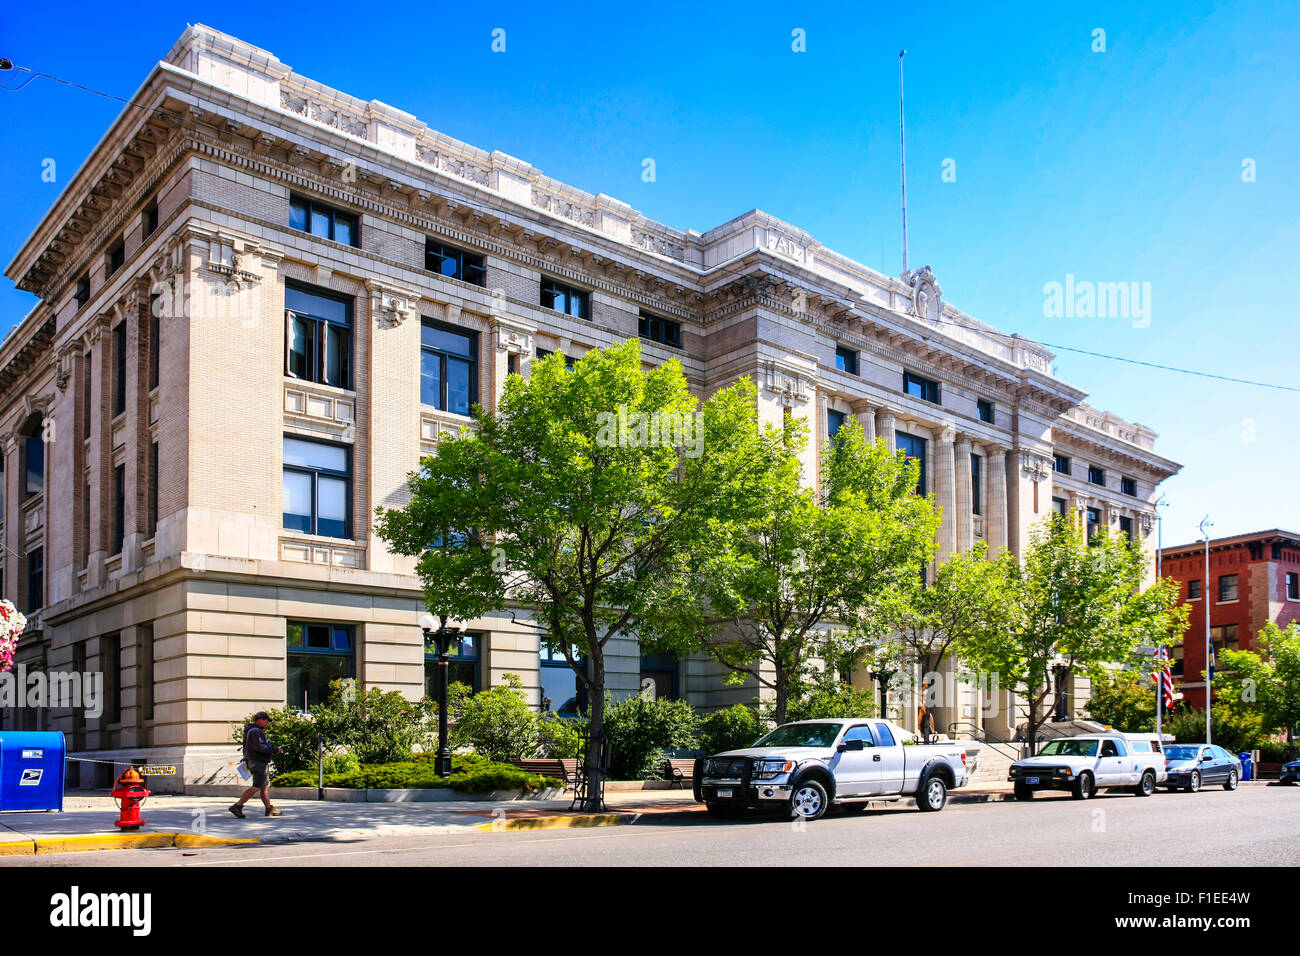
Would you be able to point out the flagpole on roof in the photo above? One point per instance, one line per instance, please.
(902, 153)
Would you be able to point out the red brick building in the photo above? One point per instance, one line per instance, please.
(1254, 579)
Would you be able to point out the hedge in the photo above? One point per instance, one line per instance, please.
(470, 773)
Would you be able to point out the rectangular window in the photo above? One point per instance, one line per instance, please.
(985, 410)
(454, 263)
(36, 580)
(1292, 586)
(146, 689)
(152, 506)
(1224, 639)
(1194, 590)
(1096, 476)
(82, 294)
(315, 655)
(119, 508)
(1227, 587)
(568, 359)
(116, 256)
(1061, 464)
(566, 299)
(512, 363)
(155, 338)
(317, 488)
(975, 462)
(1094, 523)
(1126, 526)
(448, 367)
(1128, 486)
(323, 221)
(914, 447)
(119, 368)
(463, 660)
(846, 359)
(562, 692)
(659, 675)
(655, 328)
(923, 388)
(150, 218)
(318, 336)
(834, 422)
(1058, 505)
(1176, 656)
(34, 472)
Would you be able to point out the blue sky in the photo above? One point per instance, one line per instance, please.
(1123, 165)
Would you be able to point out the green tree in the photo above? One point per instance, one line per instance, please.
(1125, 700)
(580, 499)
(1075, 603)
(1265, 684)
(932, 619)
(783, 582)
(641, 728)
(378, 726)
(496, 722)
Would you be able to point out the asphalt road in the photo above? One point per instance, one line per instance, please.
(1254, 826)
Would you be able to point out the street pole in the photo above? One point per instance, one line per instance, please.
(902, 153)
(1205, 599)
(1160, 540)
(441, 637)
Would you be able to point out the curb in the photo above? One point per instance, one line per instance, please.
(564, 822)
(116, 841)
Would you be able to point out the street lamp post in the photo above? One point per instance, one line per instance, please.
(441, 637)
(1160, 502)
(1205, 525)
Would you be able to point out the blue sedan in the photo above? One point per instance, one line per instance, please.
(1192, 766)
(1290, 772)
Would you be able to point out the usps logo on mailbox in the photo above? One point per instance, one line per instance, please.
(30, 778)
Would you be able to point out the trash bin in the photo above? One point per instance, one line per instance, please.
(31, 770)
(1247, 766)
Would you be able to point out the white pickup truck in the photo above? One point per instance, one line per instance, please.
(1091, 762)
(810, 765)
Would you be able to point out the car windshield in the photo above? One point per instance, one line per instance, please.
(1070, 748)
(1181, 753)
(801, 735)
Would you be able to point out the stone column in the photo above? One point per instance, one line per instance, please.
(995, 498)
(885, 419)
(866, 416)
(965, 495)
(945, 493)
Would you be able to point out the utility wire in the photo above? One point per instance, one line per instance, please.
(76, 86)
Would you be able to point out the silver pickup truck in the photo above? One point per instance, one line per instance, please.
(809, 765)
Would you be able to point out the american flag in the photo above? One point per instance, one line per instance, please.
(1162, 676)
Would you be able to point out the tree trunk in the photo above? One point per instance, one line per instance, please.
(782, 695)
(592, 769)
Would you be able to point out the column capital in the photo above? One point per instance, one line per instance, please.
(947, 432)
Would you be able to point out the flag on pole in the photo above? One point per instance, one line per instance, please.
(1212, 660)
(1163, 677)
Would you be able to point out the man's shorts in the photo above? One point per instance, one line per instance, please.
(258, 770)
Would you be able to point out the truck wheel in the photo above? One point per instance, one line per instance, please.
(1193, 782)
(809, 800)
(1023, 792)
(1147, 786)
(932, 795)
(1231, 782)
(1083, 788)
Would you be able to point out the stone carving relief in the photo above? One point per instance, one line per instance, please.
(391, 307)
(1035, 467)
(926, 296)
(790, 386)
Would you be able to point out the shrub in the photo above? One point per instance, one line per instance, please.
(497, 723)
(378, 726)
(469, 773)
(640, 730)
(293, 732)
(561, 738)
(341, 761)
(829, 701)
(732, 729)
(1236, 732)
(1276, 751)
(1126, 701)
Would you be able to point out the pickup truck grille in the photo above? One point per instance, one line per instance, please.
(726, 768)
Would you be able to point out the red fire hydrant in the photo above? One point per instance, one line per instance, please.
(130, 792)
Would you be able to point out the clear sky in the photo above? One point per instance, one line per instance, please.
(1117, 166)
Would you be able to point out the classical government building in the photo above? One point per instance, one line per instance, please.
(262, 300)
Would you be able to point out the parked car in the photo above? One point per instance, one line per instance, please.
(1290, 772)
(1088, 763)
(1191, 766)
(810, 765)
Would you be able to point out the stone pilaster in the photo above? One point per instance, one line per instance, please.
(965, 495)
(945, 493)
(995, 497)
(886, 421)
(866, 416)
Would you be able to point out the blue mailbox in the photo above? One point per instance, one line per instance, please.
(31, 770)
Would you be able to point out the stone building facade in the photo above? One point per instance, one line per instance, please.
(261, 300)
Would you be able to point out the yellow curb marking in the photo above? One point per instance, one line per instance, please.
(119, 841)
(554, 823)
(18, 848)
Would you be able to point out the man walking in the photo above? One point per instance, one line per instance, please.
(258, 752)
